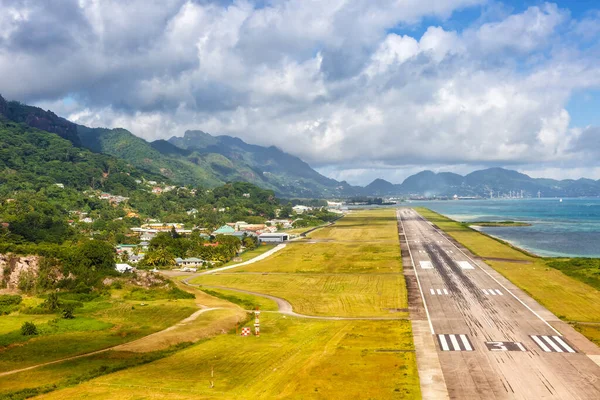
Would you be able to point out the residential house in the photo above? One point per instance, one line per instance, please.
(189, 262)
(224, 230)
(301, 209)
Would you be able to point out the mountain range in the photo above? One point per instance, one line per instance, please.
(203, 159)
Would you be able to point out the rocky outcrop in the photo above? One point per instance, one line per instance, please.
(13, 268)
(40, 119)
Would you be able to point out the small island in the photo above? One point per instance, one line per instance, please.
(496, 223)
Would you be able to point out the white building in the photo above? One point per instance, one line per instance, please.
(273, 237)
(124, 268)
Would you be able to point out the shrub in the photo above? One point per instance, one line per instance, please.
(9, 303)
(67, 311)
(51, 303)
(28, 329)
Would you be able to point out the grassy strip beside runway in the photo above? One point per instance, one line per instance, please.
(356, 295)
(293, 358)
(568, 298)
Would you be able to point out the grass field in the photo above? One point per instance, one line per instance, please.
(98, 325)
(351, 278)
(568, 298)
(334, 295)
(293, 358)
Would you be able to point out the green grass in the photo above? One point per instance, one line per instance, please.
(359, 295)
(97, 325)
(293, 358)
(246, 301)
(70, 373)
(586, 270)
(250, 254)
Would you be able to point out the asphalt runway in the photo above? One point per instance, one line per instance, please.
(492, 341)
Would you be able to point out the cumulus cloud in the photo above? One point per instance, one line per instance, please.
(334, 82)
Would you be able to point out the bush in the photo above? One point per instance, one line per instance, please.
(51, 303)
(9, 303)
(67, 311)
(28, 329)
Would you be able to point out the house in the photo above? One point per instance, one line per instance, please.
(60, 185)
(284, 223)
(126, 248)
(87, 220)
(215, 244)
(189, 262)
(147, 236)
(301, 209)
(135, 259)
(224, 230)
(124, 268)
(273, 237)
(193, 211)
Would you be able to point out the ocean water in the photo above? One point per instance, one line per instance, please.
(567, 228)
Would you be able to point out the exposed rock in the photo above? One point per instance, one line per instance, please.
(147, 279)
(12, 267)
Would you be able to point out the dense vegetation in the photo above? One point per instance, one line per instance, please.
(584, 269)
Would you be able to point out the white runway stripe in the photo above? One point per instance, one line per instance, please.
(499, 292)
(426, 264)
(492, 292)
(552, 344)
(454, 343)
(445, 291)
(564, 344)
(432, 291)
(485, 292)
(439, 292)
(443, 343)
(541, 344)
(466, 342)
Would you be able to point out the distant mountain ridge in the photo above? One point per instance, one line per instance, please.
(202, 159)
(485, 183)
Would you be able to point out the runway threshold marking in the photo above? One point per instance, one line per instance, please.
(453, 342)
(552, 344)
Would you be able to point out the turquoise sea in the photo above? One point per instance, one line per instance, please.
(567, 228)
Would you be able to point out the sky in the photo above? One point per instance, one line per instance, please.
(359, 89)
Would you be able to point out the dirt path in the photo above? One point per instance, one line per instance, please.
(286, 308)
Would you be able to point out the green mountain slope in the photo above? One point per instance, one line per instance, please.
(31, 159)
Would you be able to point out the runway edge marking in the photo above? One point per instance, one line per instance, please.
(398, 215)
(490, 275)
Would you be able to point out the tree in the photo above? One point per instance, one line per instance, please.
(249, 242)
(160, 257)
(51, 303)
(96, 255)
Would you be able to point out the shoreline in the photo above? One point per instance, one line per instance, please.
(539, 253)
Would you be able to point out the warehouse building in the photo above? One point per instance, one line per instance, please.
(273, 237)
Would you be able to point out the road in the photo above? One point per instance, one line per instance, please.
(491, 340)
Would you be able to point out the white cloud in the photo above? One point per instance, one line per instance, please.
(325, 80)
